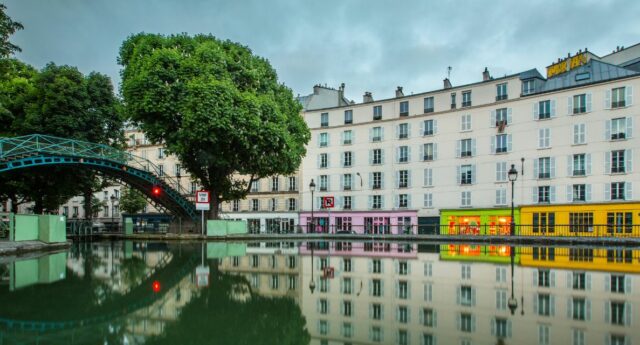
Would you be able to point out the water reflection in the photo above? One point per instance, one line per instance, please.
(320, 293)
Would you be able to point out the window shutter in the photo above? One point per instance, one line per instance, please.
(458, 148)
(569, 307)
(607, 99)
(319, 161)
(588, 163)
(397, 179)
(329, 160)
(553, 108)
(541, 138)
(535, 168)
(370, 201)
(371, 134)
(341, 181)
(607, 192)
(493, 144)
(588, 192)
(607, 162)
(493, 119)
(509, 142)
(328, 139)
(458, 177)
(408, 153)
(381, 133)
(535, 278)
(340, 202)
(382, 156)
(570, 105)
(569, 199)
(535, 303)
(627, 284)
(628, 314)
(435, 151)
(473, 296)
(397, 154)
(552, 305)
(607, 311)
(552, 198)
(629, 98)
(589, 102)
(509, 116)
(421, 153)
(629, 130)
(342, 137)
(473, 174)
(628, 191)
(408, 130)
(534, 194)
(552, 167)
(397, 131)
(382, 201)
(473, 147)
(570, 165)
(370, 180)
(408, 200)
(607, 283)
(535, 110)
(607, 130)
(435, 126)
(628, 157)
(370, 157)
(409, 178)
(382, 181)
(422, 128)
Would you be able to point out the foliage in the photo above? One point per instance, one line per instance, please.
(7, 28)
(132, 201)
(216, 106)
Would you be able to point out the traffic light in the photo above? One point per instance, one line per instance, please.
(156, 286)
(156, 191)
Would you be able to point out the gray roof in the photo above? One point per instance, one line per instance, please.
(532, 73)
(593, 72)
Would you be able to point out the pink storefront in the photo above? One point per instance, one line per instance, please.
(383, 222)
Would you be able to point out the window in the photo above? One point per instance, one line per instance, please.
(324, 120)
(544, 167)
(466, 295)
(501, 172)
(324, 183)
(428, 104)
(324, 139)
(466, 98)
(403, 200)
(617, 313)
(466, 174)
(544, 194)
(376, 266)
(580, 104)
(581, 222)
(403, 131)
(579, 281)
(293, 184)
(428, 127)
(528, 87)
(236, 205)
(579, 165)
(160, 153)
(619, 128)
(501, 117)
(617, 283)
(403, 337)
(376, 134)
(403, 314)
(293, 282)
(376, 202)
(76, 211)
(501, 328)
(255, 204)
(377, 180)
(617, 339)
(404, 108)
(403, 179)
(579, 309)
(346, 202)
(347, 137)
(193, 187)
(293, 204)
(466, 147)
(346, 159)
(428, 177)
(429, 152)
(255, 186)
(617, 161)
(346, 181)
(324, 327)
(377, 112)
(501, 92)
(346, 263)
(544, 304)
(579, 134)
(160, 170)
(465, 270)
(275, 184)
(324, 160)
(501, 196)
(346, 308)
(544, 222)
(502, 143)
(618, 97)
(376, 334)
(403, 154)
(348, 117)
(453, 100)
(465, 198)
(428, 200)
(178, 170)
(543, 334)
(428, 317)
(465, 122)
(377, 288)
(617, 191)
(579, 192)
(544, 110)
(466, 322)
(376, 156)
(578, 334)
(501, 296)
(544, 138)
(619, 222)
(403, 289)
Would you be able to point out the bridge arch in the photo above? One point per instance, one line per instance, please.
(39, 150)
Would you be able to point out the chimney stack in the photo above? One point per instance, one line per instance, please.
(399, 92)
(341, 92)
(316, 89)
(447, 83)
(367, 97)
(485, 75)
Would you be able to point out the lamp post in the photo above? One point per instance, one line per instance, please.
(512, 303)
(312, 284)
(113, 199)
(513, 176)
(312, 188)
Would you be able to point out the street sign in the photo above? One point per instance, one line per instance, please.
(328, 202)
(202, 200)
(328, 273)
(202, 276)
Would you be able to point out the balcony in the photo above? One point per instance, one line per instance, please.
(323, 188)
(465, 154)
(453, 105)
(579, 172)
(501, 97)
(324, 124)
(466, 104)
(618, 136)
(376, 139)
(427, 158)
(403, 136)
(544, 175)
(501, 149)
(377, 186)
(428, 110)
(346, 188)
(377, 117)
(404, 113)
(428, 132)
(346, 142)
(323, 144)
(618, 104)
(579, 110)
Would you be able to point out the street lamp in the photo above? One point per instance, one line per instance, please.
(312, 188)
(312, 284)
(513, 176)
(512, 303)
(113, 199)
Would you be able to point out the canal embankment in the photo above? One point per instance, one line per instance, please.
(9, 248)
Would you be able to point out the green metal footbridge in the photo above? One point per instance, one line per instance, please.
(38, 150)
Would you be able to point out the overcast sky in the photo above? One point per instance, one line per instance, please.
(369, 45)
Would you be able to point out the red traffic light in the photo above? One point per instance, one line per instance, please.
(155, 286)
(156, 191)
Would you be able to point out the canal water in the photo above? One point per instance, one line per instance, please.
(320, 293)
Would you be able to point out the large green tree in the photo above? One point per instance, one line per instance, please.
(7, 28)
(132, 201)
(215, 105)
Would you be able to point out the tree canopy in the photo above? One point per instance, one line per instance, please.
(132, 201)
(215, 105)
(7, 28)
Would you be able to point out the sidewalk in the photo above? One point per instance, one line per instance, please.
(13, 248)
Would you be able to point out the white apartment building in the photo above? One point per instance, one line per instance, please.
(570, 136)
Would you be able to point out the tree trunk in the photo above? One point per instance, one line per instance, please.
(214, 207)
(88, 203)
(38, 207)
(14, 204)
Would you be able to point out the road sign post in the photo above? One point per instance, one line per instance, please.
(328, 202)
(202, 203)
